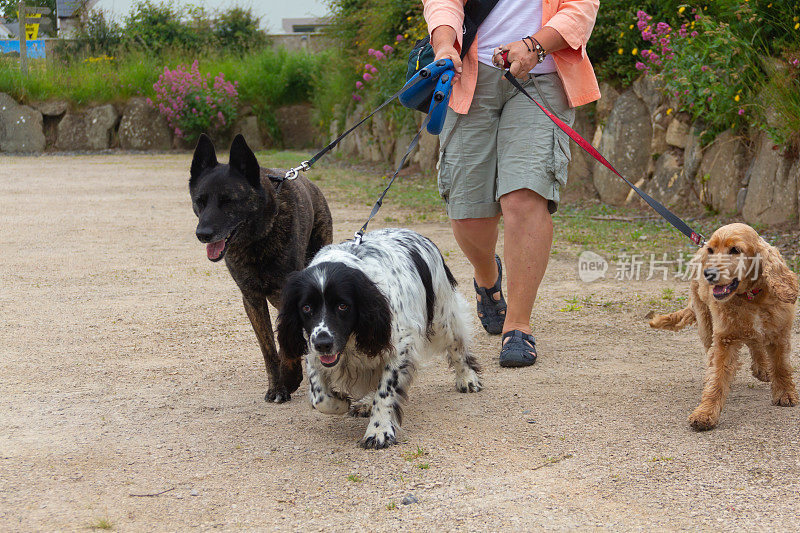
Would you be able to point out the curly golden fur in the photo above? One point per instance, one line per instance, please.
(745, 295)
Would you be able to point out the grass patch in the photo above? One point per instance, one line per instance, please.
(424, 466)
(354, 478)
(416, 454)
(101, 523)
(391, 507)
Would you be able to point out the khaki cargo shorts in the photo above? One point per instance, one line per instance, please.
(504, 143)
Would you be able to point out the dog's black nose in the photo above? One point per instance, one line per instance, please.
(323, 342)
(204, 234)
(711, 274)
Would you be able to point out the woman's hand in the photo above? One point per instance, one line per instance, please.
(443, 41)
(522, 61)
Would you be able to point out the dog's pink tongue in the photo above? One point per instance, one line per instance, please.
(214, 249)
(328, 359)
(720, 289)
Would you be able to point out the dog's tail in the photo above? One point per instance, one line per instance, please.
(674, 321)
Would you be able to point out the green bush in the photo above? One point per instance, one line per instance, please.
(164, 29)
(266, 78)
(718, 68)
(359, 26)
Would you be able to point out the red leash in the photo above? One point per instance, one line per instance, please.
(668, 215)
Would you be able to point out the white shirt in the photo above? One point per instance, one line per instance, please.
(509, 21)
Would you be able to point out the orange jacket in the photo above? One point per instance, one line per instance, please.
(573, 19)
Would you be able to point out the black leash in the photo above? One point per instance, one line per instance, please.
(668, 215)
(375, 208)
(305, 166)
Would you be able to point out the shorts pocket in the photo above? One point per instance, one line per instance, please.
(561, 156)
(444, 177)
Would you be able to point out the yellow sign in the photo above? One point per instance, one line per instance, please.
(32, 30)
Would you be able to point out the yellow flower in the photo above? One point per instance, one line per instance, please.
(669, 111)
(621, 33)
(635, 51)
(620, 51)
(681, 9)
(408, 18)
(630, 27)
(796, 26)
(736, 98)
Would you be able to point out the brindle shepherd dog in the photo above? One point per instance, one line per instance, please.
(263, 235)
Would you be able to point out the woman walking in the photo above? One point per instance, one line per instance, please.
(500, 155)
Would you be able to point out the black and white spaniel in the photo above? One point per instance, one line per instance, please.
(364, 315)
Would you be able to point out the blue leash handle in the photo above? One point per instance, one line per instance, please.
(420, 85)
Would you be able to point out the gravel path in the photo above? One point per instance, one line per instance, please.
(132, 394)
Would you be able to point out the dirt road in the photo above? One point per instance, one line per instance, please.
(128, 368)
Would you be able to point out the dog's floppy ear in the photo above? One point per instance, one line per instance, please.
(290, 324)
(781, 281)
(204, 157)
(374, 327)
(244, 161)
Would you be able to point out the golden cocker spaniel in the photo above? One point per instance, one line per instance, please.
(746, 296)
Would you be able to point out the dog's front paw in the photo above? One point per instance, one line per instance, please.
(785, 398)
(378, 438)
(277, 394)
(468, 382)
(702, 420)
(331, 405)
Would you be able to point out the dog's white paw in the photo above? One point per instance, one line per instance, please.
(331, 405)
(468, 381)
(378, 437)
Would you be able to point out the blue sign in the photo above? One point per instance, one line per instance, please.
(10, 48)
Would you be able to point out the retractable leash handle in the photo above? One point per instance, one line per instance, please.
(504, 55)
(441, 97)
(419, 86)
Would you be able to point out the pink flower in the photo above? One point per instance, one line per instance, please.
(373, 70)
(359, 85)
(367, 66)
(694, 34)
(356, 97)
(741, 112)
(640, 66)
(388, 49)
(371, 52)
(399, 38)
(705, 68)
(367, 76)
(379, 55)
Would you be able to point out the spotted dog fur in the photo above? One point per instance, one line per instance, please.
(364, 316)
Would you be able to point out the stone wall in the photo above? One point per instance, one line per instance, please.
(660, 152)
(55, 126)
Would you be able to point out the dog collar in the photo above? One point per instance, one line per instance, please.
(751, 294)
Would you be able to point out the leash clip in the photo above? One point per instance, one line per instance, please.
(358, 237)
(292, 173)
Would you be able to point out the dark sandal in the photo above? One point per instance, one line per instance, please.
(491, 312)
(520, 350)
